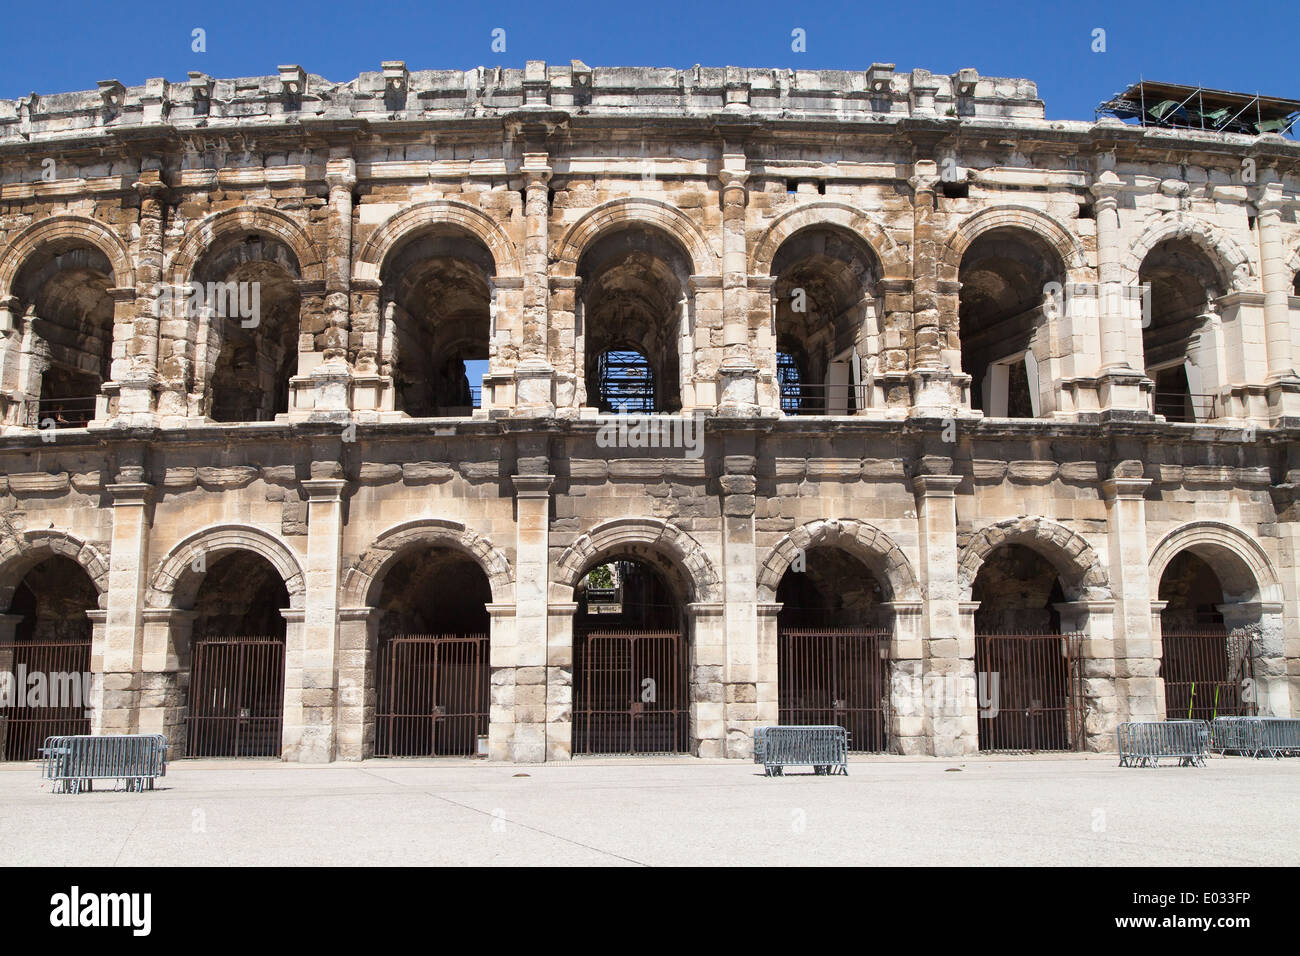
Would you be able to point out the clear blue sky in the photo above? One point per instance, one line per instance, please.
(52, 47)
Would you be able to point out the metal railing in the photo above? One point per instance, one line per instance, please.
(630, 692)
(1144, 743)
(74, 412)
(1186, 407)
(836, 677)
(825, 748)
(1205, 673)
(65, 667)
(432, 695)
(1256, 736)
(73, 763)
(1031, 691)
(821, 399)
(236, 697)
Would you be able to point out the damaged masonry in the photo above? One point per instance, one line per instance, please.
(533, 413)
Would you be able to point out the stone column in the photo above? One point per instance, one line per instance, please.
(1157, 651)
(534, 375)
(1137, 664)
(737, 375)
(949, 647)
(121, 652)
(1283, 382)
(707, 639)
(739, 591)
(559, 681)
(528, 658)
(906, 727)
(766, 697)
(1271, 683)
(936, 386)
(1121, 387)
(1092, 621)
(166, 661)
(323, 372)
(135, 347)
(358, 643)
(310, 698)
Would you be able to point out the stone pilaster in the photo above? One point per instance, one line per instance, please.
(1097, 667)
(1136, 661)
(907, 717)
(949, 641)
(767, 705)
(135, 347)
(707, 638)
(534, 375)
(527, 660)
(1264, 620)
(741, 560)
(559, 680)
(358, 650)
(1282, 381)
(737, 374)
(1123, 391)
(117, 659)
(310, 665)
(165, 673)
(936, 385)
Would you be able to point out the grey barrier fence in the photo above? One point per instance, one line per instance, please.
(825, 748)
(1145, 743)
(1256, 736)
(73, 763)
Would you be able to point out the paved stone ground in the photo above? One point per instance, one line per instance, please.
(987, 810)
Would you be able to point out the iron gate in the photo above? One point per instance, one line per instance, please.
(236, 697)
(836, 676)
(432, 695)
(55, 705)
(1207, 673)
(630, 693)
(1030, 688)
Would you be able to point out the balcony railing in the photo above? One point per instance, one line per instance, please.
(61, 412)
(820, 399)
(1185, 406)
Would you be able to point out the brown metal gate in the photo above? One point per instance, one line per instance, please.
(1030, 690)
(1206, 674)
(836, 676)
(236, 697)
(58, 698)
(432, 695)
(630, 693)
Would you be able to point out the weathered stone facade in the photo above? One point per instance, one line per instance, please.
(895, 233)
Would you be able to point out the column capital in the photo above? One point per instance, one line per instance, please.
(1126, 488)
(130, 492)
(733, 178)
(936, 486)
(341, 173)
(324, 490)
(532, 486)
(150, 186)
(1107, 187)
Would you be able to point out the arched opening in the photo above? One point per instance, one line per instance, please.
(633, 325)
(1029, 675)
(45, 642)
(1295, 286)
(1177, 354)
(433, 668)
(631, 666)
(827, 280)
(248, 317)
(1003, 320)
(63, 294)
(1207, 671)
(235, 659)
(436, 303)
(833, 637)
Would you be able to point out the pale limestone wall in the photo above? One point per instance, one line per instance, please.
(536, 166)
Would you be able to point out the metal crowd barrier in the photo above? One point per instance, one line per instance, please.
(1144, 743)
(1256, 736)
(74, 763)
(825, 748)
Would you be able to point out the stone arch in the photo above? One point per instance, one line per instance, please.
(651, 534)
(1293, 264)
(1047, 228)
(1243, 568)
(648, 212)
(68, 229)
(892, 257)
(1230, 260)
(401, 225)
(20, 551)
(870, 545)
(1082, 574)
(259, 219)
(177, 579)
(362, 578)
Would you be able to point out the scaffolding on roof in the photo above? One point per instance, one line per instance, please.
(1175, 106)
